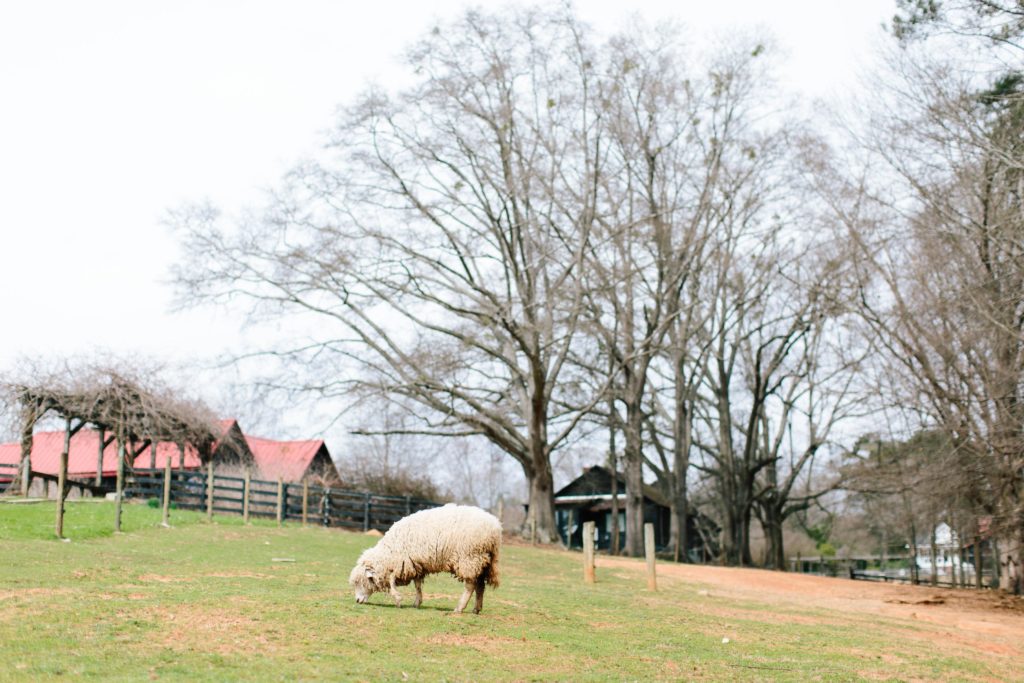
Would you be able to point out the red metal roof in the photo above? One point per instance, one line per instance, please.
(47, 447)
(286, 459)
(166, 449)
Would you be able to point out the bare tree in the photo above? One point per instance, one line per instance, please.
(941, 262)
(438, 246)
(677, 135)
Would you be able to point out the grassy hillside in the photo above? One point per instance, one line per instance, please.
(208, 602)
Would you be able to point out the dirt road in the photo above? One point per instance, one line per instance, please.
(981, 620)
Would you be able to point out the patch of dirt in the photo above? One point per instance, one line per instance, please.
(157, 578)
(603, 625)
(963, 618)
(30, 592)
(211, 629)
(481, 643)
(236, 575)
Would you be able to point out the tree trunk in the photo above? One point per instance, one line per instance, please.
(634, 467)
(683, 429)
(935, 561)
(542, 502)
(775, 552)
(746, 559)
(1010, 568)
(613, 466)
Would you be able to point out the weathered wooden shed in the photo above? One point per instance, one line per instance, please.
(588, 498)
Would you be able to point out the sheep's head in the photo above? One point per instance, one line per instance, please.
(365, 580)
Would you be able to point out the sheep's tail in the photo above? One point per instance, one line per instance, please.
(493, 575)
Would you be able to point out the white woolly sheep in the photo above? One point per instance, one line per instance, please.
(460, 539)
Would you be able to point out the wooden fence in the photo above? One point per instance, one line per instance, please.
(234, 495)
(7, 472)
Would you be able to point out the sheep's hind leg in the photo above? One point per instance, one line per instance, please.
(419, 593)
(394, 593)
(464, 600)
(481, 583)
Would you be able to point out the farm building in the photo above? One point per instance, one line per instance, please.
(92, 466)
(588, 498)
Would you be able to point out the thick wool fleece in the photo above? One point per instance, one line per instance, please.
(460, 539)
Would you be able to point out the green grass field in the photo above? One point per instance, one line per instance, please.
(208, 602)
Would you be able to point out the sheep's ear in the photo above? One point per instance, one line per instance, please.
(369, 572)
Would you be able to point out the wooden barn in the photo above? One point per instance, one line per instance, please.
(588, 498)
(92, 459)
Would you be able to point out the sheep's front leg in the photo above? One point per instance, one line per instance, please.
(480, 585)
(394, 592)
(464, 600)
(419, 593)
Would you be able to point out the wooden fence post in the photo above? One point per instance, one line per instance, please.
(119, 487)
(366, 513)
(209, 492)
(62, 479)
(588, 552)
(280, 500)
(325, 505)
(167, 492)
(652, 581)
(245, 497)
(305, 502)
(533, 530)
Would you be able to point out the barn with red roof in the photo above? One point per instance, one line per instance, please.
(293, 461)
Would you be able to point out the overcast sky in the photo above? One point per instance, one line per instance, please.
(113, 112)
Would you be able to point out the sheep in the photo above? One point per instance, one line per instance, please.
(460, 539)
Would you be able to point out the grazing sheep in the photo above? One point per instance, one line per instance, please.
(459, 539)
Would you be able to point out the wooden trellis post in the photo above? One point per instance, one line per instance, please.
(29, 417)
(26, 476)
(652, 579)
(99, 456)
(588, 552)
(119, 487)
(181, 456)
(62, 479)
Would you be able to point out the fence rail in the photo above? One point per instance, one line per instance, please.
(7, 472)
(345, 508)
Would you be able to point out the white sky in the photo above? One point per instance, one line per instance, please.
(113, 112)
